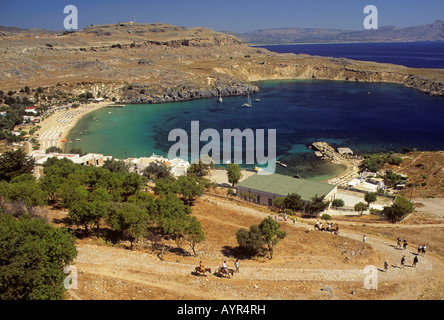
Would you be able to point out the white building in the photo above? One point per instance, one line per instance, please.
(178, 166)
(93, 159)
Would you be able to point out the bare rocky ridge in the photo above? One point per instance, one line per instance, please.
(151, 63)
(428, 32)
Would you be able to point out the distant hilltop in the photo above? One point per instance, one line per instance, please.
(428, 32)
(158, 62)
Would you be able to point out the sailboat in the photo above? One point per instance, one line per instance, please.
(247, 104)
(220, 98)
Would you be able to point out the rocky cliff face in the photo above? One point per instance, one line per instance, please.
(291, 66)
(151, 63)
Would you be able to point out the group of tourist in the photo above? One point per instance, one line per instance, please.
(404, 243)
(329, 227)
(422, 249)
(223, 268)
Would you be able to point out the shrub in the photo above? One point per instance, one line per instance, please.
(250, 241)
(338, 203)
(396, 161)
(326, 216)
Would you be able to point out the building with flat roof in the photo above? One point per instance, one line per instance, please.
(178, 166)
(268, 187)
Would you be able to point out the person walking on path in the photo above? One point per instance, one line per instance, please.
(405, 244)
(386, 265)
(398, 244)
(402, 261)
(364, 238)
(236, 265)
(415, 261)
(423, 250)
(420, 249)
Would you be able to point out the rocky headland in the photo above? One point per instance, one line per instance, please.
(154, 63)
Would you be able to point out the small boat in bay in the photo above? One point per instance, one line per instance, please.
(248, 104)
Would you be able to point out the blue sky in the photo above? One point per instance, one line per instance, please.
(230, 15)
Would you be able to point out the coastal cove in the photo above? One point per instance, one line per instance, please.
(366, 117)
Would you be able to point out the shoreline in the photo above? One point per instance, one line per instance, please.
(54, 129)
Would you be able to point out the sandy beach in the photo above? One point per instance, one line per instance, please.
(56, 127)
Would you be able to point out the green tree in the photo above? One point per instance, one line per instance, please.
(394, 213)
(132, 183)
(396, 160)
(360, 207)
(271, 233)
(405, 203)
(53, 149)
(32, 257)
(99, 194)
(338, 203)
(130, 221)
(88, 214)
(117, 166)
(166, 186)
(26, 190)
(370, 197)
(317, 204)
(157, 170)
(279, 202)
(171, 216)
(398, 210)
(142, 199)
(60, 167)
(375, 162)
(250, 241)
(50, 184)
(194, 233)
(234, 173)
(71, 191)
(14, 164)
(190, 188)
(199, 169)
(294, 202)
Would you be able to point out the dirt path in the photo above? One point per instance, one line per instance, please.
(176, 281)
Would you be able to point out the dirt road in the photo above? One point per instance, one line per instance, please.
(107, 272)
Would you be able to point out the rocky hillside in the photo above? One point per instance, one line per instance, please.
(149, 63)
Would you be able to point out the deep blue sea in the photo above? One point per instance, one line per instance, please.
(409, 54)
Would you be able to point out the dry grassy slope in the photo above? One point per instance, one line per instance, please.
(161, 57)
(425, 172)
(303, 263)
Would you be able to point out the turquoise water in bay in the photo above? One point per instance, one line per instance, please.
(367, 117)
